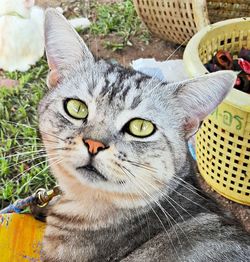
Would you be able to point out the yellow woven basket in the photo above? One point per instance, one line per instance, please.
(223, 142)
(179, 20)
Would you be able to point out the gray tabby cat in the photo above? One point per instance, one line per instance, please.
(119, 139)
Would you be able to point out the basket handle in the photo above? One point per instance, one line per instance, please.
(200, 13)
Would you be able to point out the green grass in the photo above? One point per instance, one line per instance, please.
(118, 19)
(23, 168)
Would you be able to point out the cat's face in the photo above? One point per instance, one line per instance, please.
(117, 107)
(114, 129)
(22, 7)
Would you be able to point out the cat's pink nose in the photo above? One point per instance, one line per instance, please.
(94, 146)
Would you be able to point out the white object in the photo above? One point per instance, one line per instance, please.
(170, 70)
(80, 22)
(59, 9)
(21, 34)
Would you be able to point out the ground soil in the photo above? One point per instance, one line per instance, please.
(160, 50)
(157, 48)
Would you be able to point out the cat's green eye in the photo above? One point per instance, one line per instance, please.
(76, 109)
(141, 128)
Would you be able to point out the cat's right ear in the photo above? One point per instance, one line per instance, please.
(64, 47)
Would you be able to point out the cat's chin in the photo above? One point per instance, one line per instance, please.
(91, 173)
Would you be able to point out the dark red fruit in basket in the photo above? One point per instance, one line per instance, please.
(245, 54)
(245, 65)
(236, 66)
(223, 59)
(212, 67)
(238, 82)
(243, 83)
(246, 81)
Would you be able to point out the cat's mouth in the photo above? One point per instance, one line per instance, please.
(91, 172)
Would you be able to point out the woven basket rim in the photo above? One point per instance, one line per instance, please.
(196, 68)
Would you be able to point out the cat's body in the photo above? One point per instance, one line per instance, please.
(117, 144)
(21, 34)
(199, 235)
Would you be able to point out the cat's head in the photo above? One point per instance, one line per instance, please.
(113, 129)
(21, 7)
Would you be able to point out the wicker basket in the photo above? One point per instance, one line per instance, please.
(179, 20)
(223, 142)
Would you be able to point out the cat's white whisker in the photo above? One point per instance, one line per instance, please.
(55, 136)
(33, 146)
(156, 202)
(179, 182)
(22, 154)
(32, 159)
(30, 168)
(21, 138)
(185, 210)
(168, 198)
(190, 200)
(19, 124)
(190, 187)
(36, 129)
(164, 197)
(197, 204)
(50, 141)
(183, 43)
(134, 207)
(141, 165)
(23, 146)
(153, 89)
(154, 77)
(57, 161)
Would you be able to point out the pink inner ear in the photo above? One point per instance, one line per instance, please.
(29, 3)
(191, 126)
(53, 79)
(53, 76)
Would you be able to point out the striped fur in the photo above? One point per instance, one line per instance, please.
(147, 187)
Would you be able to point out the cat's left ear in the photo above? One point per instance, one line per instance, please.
(64, 47)
(198, 97)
